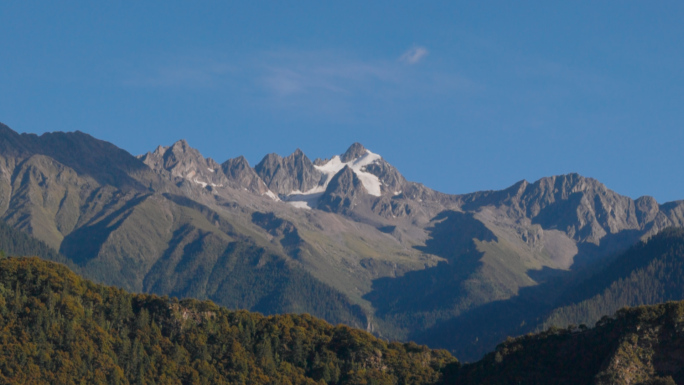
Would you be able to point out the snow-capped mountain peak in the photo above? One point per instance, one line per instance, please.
(354, 151)
(358, 165)
(358, 159)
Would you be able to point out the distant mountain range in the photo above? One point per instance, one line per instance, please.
(348, 239)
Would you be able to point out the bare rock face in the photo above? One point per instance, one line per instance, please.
(354, 151)
(393, 182)
(239, 171)
(320, 162)
(180, 159)
(582, 207)
(392, 208)
(285, 175)
(343, 192)
(185, 163)
(646, 209)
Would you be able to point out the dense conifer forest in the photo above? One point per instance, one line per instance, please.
(56, 327)
(640, 345)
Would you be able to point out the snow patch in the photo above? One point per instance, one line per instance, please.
(358, 165)
(300, 204)
(271, 195)
(304, 200)
(204, 184)
(199, 182)
(309, 199)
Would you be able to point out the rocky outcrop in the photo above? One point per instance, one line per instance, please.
(285, 175)
(186, 164)
(392, 208)
(354, 151)
(343, 192)
(239, 171)
(393, 182)
(583, 208)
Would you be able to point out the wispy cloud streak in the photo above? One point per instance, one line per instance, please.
(329, 82)
(292, 74)
(182, 72)
(414, 55)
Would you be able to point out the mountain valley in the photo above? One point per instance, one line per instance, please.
(347, 239)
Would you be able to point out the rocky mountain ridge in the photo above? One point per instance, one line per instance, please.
(397, 257)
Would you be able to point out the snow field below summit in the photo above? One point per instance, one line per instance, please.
(334, 165)
(309, 199)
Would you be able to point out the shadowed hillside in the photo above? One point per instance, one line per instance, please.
(648, 273)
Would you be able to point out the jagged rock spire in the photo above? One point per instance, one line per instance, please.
(238, 170)
(354, 151)
(292, 173)
(343, 191)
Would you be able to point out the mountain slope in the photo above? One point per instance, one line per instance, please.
(129, 236)
(387, 254)
(14, 242)
(238, 170)
(544, 236)
(648, 273)
(292, 173)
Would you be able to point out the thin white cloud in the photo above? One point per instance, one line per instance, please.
(328, 82)
(414, 55)
(289, 74)
(283, 82)
(180, 73)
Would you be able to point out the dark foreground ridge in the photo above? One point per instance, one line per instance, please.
(641, 345)
(57, 328)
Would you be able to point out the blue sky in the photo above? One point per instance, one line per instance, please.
(459, 96)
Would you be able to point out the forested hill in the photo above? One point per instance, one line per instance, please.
(57, 328)
(639, 346)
